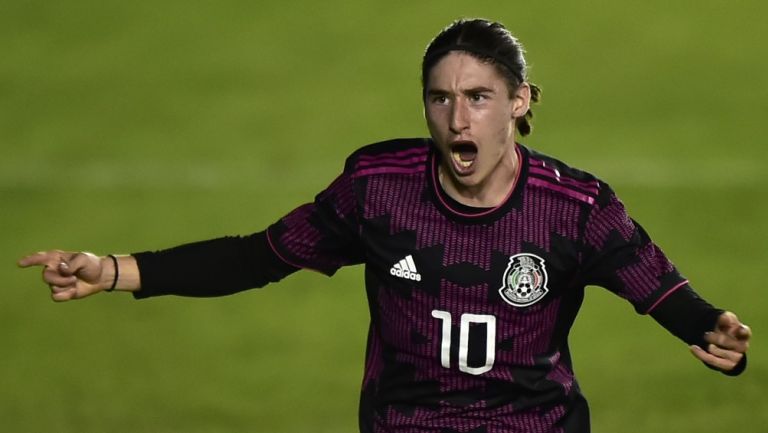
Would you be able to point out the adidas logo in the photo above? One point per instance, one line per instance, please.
(406, 269)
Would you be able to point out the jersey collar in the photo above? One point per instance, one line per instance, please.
(460, 212)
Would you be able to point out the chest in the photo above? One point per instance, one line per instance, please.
(518, 259)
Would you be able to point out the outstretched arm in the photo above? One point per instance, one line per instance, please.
(323, 236)
(75, 275)
(215, 267)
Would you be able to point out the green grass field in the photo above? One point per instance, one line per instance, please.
(127, 126)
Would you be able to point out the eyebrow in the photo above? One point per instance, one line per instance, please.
(478, 89)
(470, 91)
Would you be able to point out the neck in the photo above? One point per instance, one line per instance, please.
(489, 192)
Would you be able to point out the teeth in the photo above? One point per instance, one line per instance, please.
(459, 161)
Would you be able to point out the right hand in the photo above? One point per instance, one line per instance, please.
(72, 275)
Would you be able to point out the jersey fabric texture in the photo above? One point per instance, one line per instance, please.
(471, 308)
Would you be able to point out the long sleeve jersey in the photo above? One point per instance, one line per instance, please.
(470, 308)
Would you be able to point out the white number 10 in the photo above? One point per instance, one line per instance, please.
(466, 319)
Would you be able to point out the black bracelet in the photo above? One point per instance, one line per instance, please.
(117, 273)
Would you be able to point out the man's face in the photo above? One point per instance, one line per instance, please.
(471, 117)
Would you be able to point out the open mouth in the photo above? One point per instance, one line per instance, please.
(463, 154)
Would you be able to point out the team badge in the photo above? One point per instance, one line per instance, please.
(525, 280)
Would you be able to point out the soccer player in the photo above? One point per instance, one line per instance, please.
(476, 248)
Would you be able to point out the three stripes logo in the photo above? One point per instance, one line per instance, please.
(405, 268)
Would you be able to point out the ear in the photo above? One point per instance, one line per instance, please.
(521, 100)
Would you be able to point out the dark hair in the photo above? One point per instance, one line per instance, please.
(489, 42)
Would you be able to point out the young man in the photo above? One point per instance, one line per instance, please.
(476, 251)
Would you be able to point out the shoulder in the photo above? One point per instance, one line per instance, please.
(550, 173)
(397, 156)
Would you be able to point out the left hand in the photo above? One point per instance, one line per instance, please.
(728, 343)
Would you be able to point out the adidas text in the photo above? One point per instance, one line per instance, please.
(405, 268)
(405, 274)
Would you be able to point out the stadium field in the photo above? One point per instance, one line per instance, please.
(130, 126)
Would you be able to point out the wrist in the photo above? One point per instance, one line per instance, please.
(109, 273)
(119, 272)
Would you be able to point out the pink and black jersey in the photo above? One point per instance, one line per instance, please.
(471, 308)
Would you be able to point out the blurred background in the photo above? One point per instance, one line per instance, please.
(131, 126)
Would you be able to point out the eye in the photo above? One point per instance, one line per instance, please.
(439, 99)
(478, 97)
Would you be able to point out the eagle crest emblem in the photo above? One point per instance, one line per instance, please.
(525, 280)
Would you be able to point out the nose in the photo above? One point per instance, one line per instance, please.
(459, 117)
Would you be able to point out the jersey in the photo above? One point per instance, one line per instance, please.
(471, 308)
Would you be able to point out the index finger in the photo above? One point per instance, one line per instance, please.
(37, 259)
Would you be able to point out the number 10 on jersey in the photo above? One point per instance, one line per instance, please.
(467, 319)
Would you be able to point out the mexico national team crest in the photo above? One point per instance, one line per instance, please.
(525, 280)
